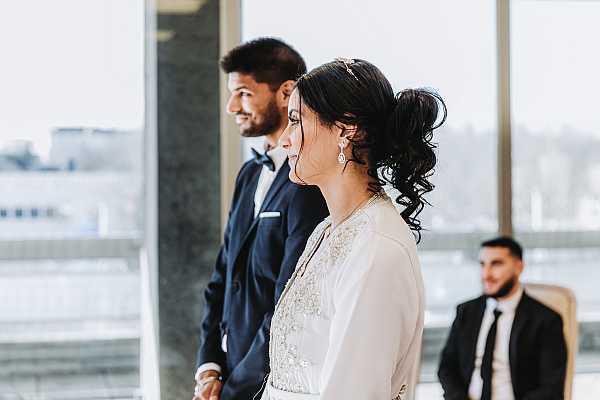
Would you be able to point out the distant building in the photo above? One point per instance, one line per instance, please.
(95, 149)
(95, 187)
(18, 156)
(78, 149)
(38, 204)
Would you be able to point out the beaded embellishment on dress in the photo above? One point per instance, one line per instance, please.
(302, 300)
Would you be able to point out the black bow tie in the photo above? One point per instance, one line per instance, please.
(263, 159)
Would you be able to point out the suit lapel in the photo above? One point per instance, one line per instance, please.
(519, 323)
(280, 179)
(243, 222)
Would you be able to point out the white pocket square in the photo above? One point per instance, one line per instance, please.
(269, 214)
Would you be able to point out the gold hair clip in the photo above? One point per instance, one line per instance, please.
(347, 62)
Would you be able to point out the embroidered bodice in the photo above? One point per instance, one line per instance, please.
(324, 324)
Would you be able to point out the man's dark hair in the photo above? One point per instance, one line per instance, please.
(268, 60)
(513, 247)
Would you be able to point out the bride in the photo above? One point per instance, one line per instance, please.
(350, 320)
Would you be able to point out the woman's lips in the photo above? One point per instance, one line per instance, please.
(292, 158)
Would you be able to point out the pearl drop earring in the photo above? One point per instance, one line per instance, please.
(342, 156)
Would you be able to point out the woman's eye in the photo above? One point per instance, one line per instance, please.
(244, 94)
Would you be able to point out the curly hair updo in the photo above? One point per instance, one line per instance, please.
(394, 132)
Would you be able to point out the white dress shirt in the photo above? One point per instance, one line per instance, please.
(265, 180)
(501, 381)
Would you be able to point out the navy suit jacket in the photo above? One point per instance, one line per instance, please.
(537, 351)
(256, 260)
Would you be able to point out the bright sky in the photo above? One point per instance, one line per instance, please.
(450, 45)
(80, 62)
(70, 63)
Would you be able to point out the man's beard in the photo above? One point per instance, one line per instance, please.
(270, 123)
(504, 289)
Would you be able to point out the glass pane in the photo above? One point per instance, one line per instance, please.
(556, 142)
(70, 327)
(578, 270)
(450, 278)
(466, 79)
(71, 177)
(72, 92)
(449, 46)
(452, 53)
(556, 123)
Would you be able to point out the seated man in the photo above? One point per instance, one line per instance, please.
(504, 344)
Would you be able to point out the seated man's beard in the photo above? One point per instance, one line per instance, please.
(504, 289)
(270, 123)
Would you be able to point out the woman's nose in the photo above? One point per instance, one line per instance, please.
(284, 139)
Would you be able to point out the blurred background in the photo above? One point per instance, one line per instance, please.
(117, 163)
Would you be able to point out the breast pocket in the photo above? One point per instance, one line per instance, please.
(269, 244)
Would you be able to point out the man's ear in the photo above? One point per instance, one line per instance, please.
(520, 266)
(285, 91)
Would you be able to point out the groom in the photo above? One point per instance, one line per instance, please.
(270, 220)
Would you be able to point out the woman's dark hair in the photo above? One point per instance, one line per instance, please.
(394, 132)
(267, 59)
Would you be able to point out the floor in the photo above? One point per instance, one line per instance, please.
(585, 387)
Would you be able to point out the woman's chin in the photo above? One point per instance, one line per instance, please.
(295, 178)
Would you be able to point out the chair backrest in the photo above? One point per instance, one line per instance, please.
(561, 300)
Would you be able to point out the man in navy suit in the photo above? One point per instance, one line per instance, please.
(269, 223)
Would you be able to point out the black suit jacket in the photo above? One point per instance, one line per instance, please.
(256, 260)
(537, 351)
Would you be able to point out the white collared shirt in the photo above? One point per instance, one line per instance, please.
(265, 180)
(502, 388)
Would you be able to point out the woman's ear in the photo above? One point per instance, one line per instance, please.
(347, 131)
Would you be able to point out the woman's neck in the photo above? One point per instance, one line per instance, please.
(345, 193)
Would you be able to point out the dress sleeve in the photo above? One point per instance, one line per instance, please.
(377, 318)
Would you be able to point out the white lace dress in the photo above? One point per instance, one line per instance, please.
(350, 321)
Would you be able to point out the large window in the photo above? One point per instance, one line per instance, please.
(556, 142)
(456, 48)
(431, 44)
(415, 45)
(72, 200)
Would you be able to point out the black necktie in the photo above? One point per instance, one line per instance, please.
(488, 359)
(263, 159)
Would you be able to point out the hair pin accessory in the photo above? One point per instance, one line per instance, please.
(347, 62)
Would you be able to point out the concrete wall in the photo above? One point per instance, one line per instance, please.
(188, 184)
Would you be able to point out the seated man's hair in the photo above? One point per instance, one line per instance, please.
(268, 60)
(507, 242)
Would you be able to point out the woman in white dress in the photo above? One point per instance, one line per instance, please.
(349, 323)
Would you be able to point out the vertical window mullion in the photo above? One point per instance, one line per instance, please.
(230, 20)
(504, 119)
